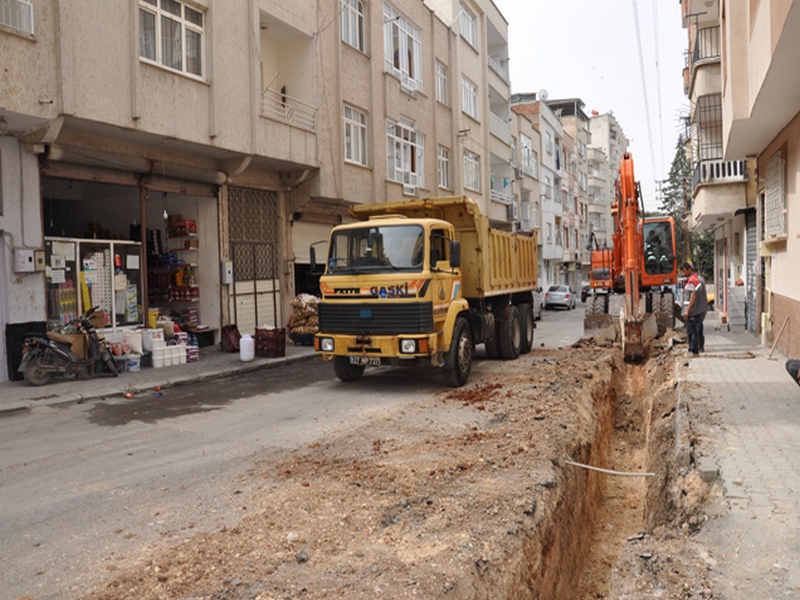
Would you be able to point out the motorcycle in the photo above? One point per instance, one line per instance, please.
(45, 357)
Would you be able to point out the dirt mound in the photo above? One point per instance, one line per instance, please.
(471, 494)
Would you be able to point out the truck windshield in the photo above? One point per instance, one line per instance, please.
(376, 249)
(658, 256)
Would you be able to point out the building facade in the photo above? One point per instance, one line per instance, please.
(761, 125)
(187, 157)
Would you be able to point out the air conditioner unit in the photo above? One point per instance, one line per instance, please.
(513, 212)
(518, 173)
(409, 190)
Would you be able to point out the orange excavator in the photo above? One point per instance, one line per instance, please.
(631, 280)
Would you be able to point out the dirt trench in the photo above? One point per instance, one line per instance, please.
(473, 494)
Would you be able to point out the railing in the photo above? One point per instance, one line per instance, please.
(501, 196)
(287, 109)
(497, 67)
(706, 45)
(499, 127)
(17, 15)
(719, 171)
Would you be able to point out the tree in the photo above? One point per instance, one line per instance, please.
(675, 193)
(703, 253)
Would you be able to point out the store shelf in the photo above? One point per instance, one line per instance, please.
(173, 267)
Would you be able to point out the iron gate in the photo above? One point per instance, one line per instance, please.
(255, 300)
(752, 256)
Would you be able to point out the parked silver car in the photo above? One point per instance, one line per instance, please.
(559, 295)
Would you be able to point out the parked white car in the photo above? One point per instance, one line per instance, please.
(559, 295)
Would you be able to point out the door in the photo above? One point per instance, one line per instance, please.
(255, 300)
(751, 306)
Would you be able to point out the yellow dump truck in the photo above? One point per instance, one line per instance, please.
(424, 281)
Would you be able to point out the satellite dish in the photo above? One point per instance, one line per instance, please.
(543, 95)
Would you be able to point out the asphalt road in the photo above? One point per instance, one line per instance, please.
(89, 484)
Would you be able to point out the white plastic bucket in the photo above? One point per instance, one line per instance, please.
(182, 354)
(158, 357)
(134, 362)
(247, 348)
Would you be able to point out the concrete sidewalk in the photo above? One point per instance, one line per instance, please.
(754, 439)
(19, 395)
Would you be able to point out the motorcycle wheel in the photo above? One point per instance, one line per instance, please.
(37, 373)
(109, 362)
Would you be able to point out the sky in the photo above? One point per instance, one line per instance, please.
(588, 49)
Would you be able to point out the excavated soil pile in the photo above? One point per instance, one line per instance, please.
(471, 494)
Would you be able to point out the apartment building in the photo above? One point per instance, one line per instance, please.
(761, 124)
(551, 171)
(608, 144)
(718, 199)
(147, 138)
(577, 259)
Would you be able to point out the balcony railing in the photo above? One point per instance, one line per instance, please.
(501, 196)
(17, 15)
(719, 171)
(706, 45)
(287, 109)
(497, 67)
(499, 127)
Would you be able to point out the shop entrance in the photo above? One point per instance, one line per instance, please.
(255, 300)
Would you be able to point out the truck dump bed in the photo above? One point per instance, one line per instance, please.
(493, 261)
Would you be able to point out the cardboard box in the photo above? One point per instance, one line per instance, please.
(99, 319)
(79, 342)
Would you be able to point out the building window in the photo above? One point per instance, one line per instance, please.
(17, 15)
(708, 123)
(775, 197)
(548, 187)
(469, 97)
(469, 26)
(441, 84)
(353, 23)
(472, 171)
(548, 142)
(355, 136)
(529, 156)
(402, 49)
(444, 168)
(171, 35)
(405, 154)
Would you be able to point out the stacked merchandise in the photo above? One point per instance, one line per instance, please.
(190, 318)
(154, 248)
(305, 319)
(193, 349)
(99, 278)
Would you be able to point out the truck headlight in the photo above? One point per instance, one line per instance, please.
(326, 344)
(408, 346)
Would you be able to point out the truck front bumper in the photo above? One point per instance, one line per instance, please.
(388, 349)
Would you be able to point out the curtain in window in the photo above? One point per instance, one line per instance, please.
(147, 34)
(193, 50)
(171, 44)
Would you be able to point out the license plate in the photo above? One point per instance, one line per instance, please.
(367, 361)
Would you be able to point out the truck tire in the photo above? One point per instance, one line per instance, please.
(345, 371)
(492, 346)
(510, 335)
(526, 316)
(458, 359)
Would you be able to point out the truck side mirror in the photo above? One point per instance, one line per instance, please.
(455, 254)
(312, 255)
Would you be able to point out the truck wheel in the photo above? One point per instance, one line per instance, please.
(458, 360)
(346, 371)
(492, 346)
(526, 317)
(510, 337)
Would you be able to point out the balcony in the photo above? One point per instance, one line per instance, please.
(700, 79)
(718, 191)
(286, 109)
(501, 196)
(499, 128)
(496, 65)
